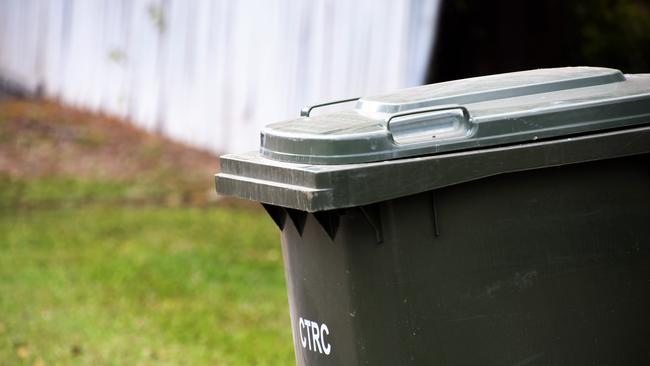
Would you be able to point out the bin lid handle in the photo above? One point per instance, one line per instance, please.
(430, 124)
(307, 110)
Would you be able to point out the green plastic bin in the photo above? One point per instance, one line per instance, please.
(498, 220)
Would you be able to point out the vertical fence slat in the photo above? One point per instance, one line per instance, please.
(212, 73)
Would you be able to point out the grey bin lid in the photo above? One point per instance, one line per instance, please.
(463, 114)
(437, 135)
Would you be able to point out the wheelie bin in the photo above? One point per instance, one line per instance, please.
(497, 220)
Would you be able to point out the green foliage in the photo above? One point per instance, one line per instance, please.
(57, 191)
(157, 16)
(615, 33)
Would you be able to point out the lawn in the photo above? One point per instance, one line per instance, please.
(114, 253)
(115, 286)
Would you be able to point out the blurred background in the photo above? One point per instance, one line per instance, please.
(212, 73)
(113, 247)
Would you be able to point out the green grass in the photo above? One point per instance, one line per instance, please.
(67, 192)
(141, 286)
(49, 192)
(114, 252)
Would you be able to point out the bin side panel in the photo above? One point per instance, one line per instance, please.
(542, 267)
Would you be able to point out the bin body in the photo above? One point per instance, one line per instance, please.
(501, 220)
(542, 267)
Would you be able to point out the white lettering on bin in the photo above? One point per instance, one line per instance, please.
(312, 336)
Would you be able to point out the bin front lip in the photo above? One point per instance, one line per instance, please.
(312, 188)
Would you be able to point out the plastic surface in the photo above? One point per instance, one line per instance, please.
(464, 114)
(309, 187)
(522, 240)
(541, 267)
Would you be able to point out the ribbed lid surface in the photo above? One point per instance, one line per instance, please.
(464, 114)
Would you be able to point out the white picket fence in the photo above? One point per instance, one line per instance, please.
(212, 73)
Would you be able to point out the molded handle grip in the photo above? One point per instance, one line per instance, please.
(429, 124)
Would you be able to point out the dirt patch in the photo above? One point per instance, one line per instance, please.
(45, 141)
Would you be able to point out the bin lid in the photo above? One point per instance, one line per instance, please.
(464, 114)
(434, 136)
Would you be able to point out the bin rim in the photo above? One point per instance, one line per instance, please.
(311, 188)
